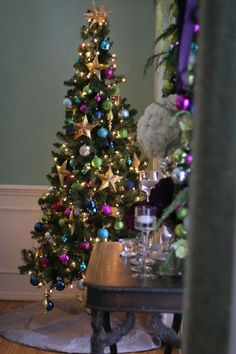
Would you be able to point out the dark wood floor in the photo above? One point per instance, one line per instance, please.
(7, 347)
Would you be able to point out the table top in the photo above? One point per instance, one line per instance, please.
(111, 285)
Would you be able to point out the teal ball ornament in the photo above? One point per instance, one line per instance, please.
(102, 132)
(103, 233)
(105, 44)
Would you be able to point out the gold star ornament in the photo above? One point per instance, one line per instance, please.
(95, 67)
(62, 172)
(109, 179)
(84, 128)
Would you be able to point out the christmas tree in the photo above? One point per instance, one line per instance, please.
(94, 178)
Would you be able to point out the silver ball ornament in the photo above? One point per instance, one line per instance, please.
(67, 103)
(178, 175)
(85, 150)
(123, 113)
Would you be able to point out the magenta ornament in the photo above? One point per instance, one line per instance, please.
(196, 27)
(182, 103)
(106, 209)
(83, 108)
(98, 98)
(64, 258)
(84, 245)
(56, 206)
(44, 262)
(67, 212)
(109, 73)
(188, 159)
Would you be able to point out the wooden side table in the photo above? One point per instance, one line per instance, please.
(111, 287)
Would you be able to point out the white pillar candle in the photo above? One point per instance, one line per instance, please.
(145, 219)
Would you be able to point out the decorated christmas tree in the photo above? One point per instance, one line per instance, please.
(94, 177)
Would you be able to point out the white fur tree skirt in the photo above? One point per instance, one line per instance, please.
(66, 329)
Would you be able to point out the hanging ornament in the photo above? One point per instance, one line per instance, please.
(182, 213)
(57, 206)
(80, 284)
(129, 185)
(90, 185)
(115, 212)
(75, 187)
(44, 262)
(84, 128)
(96, 162)
(73, 163)
(62, 222)
(109, 178)
(39, 227)
(122, 133)
(60, 285)
(188, 159)
(136, 161)
(98, 114)
(109, 73)
(64, 238)
(87, 90)
(119, 225)
(70, 130)
(102, 132)
(180, 231)
(67, 103)
(83, 108)
(64, 258)
(48, 235)
(104, 44)
(50, 305)
(178, 175)
(128, 161)
(34, 280)
(179, 156)
(110, 118)
(78, 101)
(62, 172)
(95, 67)
(85, 245)
(91, 206)
(103, 233)
(106, 209)
(116, 91)
(82, 267)
(84, 150)
(67, 212)
(123, 113)
(98, 98)
(106, 105)
(182, 103)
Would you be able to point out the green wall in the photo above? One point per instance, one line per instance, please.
(39, 40)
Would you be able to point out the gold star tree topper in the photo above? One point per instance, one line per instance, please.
(109, 179)
(84, 128)
(62, 172)
(98, 14)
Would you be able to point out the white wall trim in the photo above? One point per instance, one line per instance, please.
(21, 190)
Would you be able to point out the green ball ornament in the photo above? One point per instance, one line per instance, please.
(87, 90)
(96, 162)
(179, 155)
(62, 222)
(180, 231)
(75, 187)
(62, 149)
(106, 105)
(119, 225)
(122, 133)
(182, 213)
(116, 90)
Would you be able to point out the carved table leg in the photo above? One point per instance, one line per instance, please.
(165, 334)
(101, 339)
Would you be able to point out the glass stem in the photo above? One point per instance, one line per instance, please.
(145, 247)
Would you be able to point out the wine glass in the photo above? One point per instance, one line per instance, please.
(144, 221)
(147, 180)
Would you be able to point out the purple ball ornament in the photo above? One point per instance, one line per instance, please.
(188, 159)
(83, 108)
(84, 245)
(106, 209)
(182, 103)
(67, 212)
(44, 262)
(98, 98)
(64, 258)
(109, 73)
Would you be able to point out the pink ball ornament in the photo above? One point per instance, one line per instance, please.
(57, 206)
(182, 103)
(67, 212)
(109, 73)
(83, 108)
(64, 258)
(98, 98)
(84, 245)
(106, 209)
(44, 262)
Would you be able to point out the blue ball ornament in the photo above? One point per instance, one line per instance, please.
(91, 206)
(129, 185)
(67, 103)
(123, 113)
(105, 45)
(34, 280)
(60, 285)
(70, 129)
(38, 227)
(50, 305)
(103, 233)
(102, 132)
(98, 114)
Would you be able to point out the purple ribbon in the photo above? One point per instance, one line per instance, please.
(185, 42)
